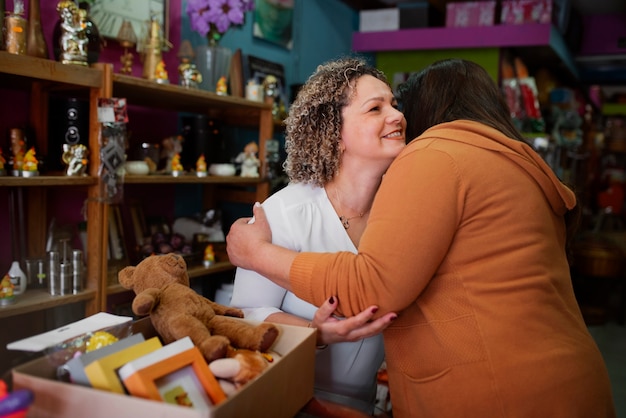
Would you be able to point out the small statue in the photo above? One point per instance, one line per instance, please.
(18, 149)
(201, 168)
(170, 146)
(188, 74)
(30, 164)
(209, 256)
(73, 40)
(271, 92)
(151, 49)
(177, 167)
(75, 156)
(3, 161)
(222, 87)
(249, 161)
(160, 74)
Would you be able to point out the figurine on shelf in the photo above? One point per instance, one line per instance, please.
(249, 161)
(151, 49)
(18, 149)
(177, 167)
(75, 156)
(201, 168)
(3, 161)
(7, 293)
(170, 146)
(73, 40)
(160, 74)
(209, 256)
(188, 74)
(30, 165)
(222, 87)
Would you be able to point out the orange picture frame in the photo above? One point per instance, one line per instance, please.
(182, 379)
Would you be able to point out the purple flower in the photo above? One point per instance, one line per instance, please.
(217, 15)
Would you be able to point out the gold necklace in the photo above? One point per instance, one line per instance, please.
(345, 221)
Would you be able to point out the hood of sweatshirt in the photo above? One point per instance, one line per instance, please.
(476, 134)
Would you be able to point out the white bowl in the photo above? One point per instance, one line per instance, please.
(222, 169)
(137, 167)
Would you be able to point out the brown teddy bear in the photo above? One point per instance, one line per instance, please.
(161, 286)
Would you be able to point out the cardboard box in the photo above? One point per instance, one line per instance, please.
(470, 14)
(379, 20)
(420, 14)
(281, 391)
(519, 12)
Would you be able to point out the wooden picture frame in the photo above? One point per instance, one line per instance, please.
(181, 379)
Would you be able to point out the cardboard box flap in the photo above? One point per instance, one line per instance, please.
(41, 342)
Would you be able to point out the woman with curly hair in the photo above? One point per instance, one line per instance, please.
(342, 132)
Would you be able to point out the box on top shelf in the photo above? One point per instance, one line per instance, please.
(519, 12)
(419, 14)
(469, 14)
(379, 20)
(280, 391)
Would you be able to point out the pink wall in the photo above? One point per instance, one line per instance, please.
(601, 34)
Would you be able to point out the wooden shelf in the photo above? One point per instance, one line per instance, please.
(39, 299)
(142, 92)
(544, 40)
(190, 179)
(39, 181)
(29, 68)
(219, 267)
(194, 271)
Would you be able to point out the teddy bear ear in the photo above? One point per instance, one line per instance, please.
(125, 276)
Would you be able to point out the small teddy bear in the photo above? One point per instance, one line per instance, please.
(161, 286)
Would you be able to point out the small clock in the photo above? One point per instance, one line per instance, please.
(108, 16)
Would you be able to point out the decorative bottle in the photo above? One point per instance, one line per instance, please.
(35, 42)
(18, 278)
(14, 29)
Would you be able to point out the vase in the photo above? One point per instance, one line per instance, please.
(35, 42)
(213, 62)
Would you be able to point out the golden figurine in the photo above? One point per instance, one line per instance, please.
(151, 48)
(73, 36)
(75, 156)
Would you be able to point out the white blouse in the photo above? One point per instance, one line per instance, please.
(302, 219)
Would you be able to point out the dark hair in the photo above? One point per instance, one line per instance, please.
(454, 89)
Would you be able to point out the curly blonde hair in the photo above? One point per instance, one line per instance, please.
(313, 126)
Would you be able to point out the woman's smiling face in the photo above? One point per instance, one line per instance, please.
(373, 128)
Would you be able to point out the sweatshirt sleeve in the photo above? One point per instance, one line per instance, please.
(411, 226)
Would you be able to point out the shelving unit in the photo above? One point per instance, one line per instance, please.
(537, 42)
(38, 78)
(231, 111)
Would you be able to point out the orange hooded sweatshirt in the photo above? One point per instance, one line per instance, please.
(466, 241)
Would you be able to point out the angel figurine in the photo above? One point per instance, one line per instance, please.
(75, 156)
(249, 161)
